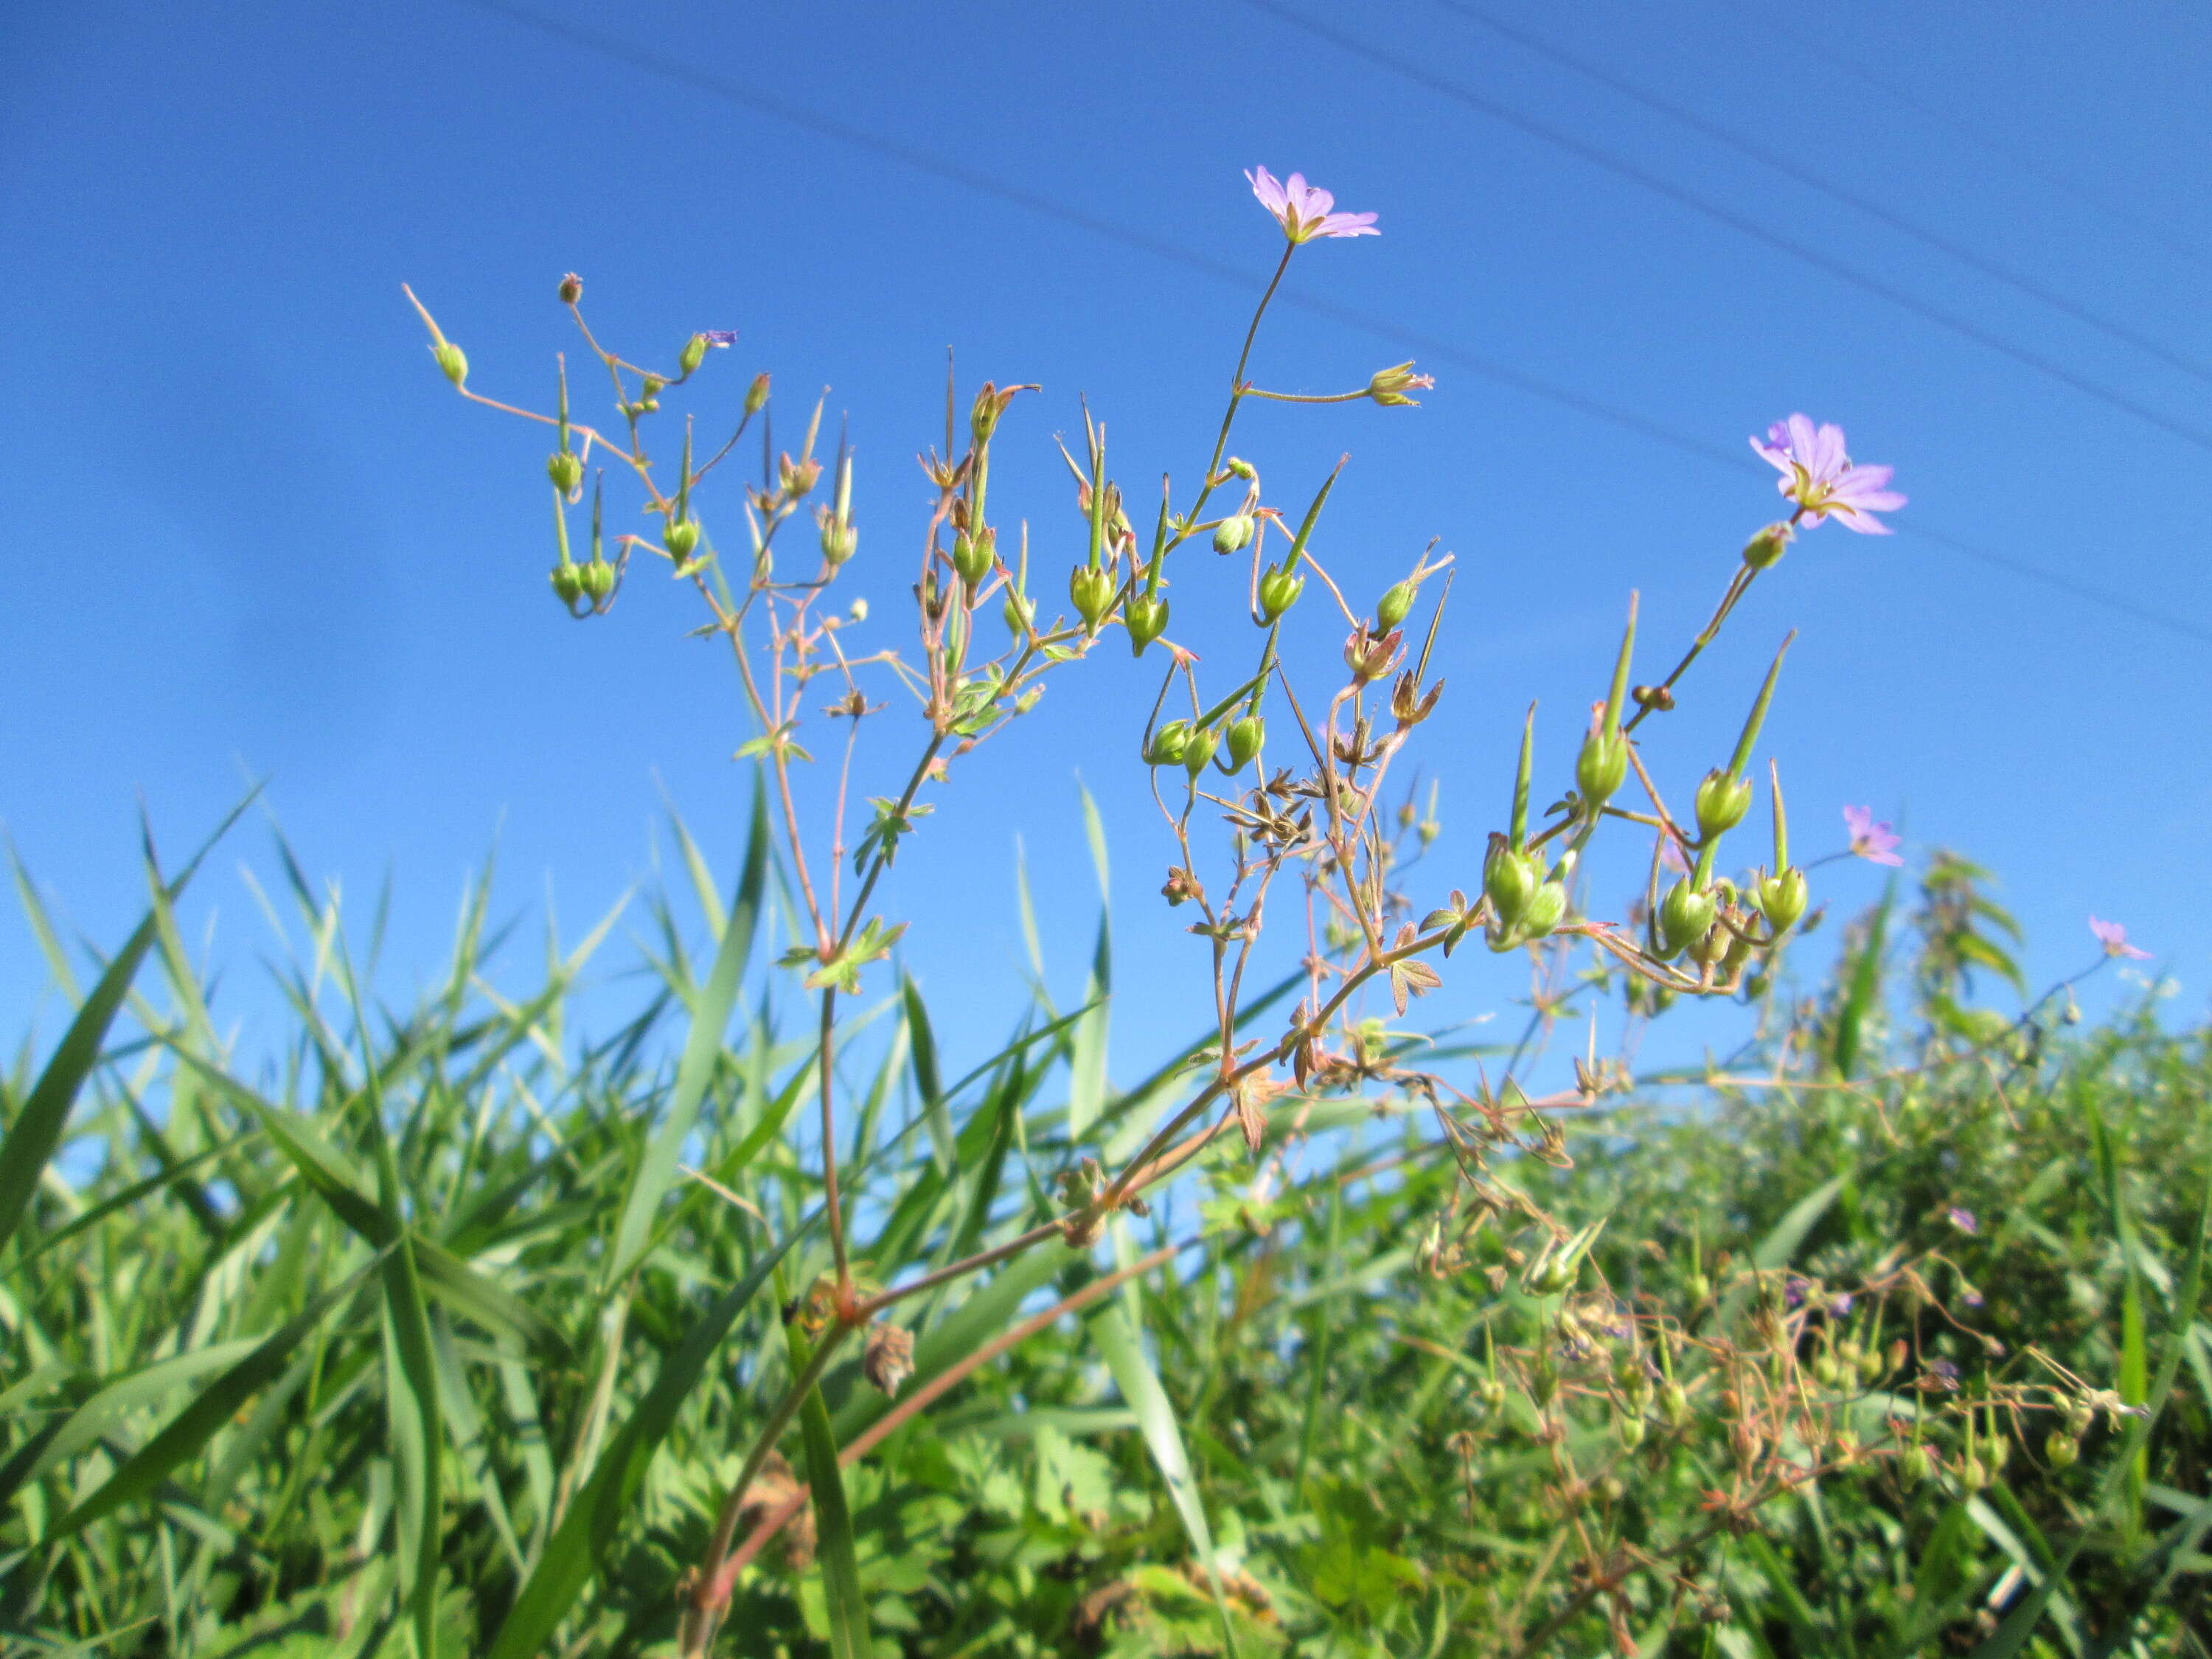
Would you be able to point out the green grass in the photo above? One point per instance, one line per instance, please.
(425, 1338)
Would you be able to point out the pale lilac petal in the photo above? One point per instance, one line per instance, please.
(1772, 453)
(2114, 938)
(1269, 190)
(1804, 441)
(1865, 523)
(1348, 224)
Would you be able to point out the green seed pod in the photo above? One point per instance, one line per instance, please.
(1698, 1286)
(1278, 591)
(1630, 1430)
(1783, 899)
(567, 581)
(973, 556)
(2062, 1449)
(1825, 1371)
(1870, 1365)
(1238, 468)
(1197, 749)
(1233, 534)
(1092, 593)
(1548, 908)
(598, 578)
(1602, 768)
(1509, 881)
(757, 395)
(1685, 915)
(1246, 734)
(572, 289)
(840, 541)
(1145, 616)
(1914, 1465)
(1721, 803)
(566, 470)
(453, 360)
(1396, 604)
(1673, 1403)
(1018, 613)
(1169, 744)
(1767, 547)
(680, 537)
(1973, 1476)
(693, 354)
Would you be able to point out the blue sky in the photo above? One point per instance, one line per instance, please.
(253, 534)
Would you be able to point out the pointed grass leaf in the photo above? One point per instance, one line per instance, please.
(922, 1054)
(187, 1433)
(1864, 991)
(837, 1555)
(36, 1133)
(107, 1407)
(577, 1549)
(1114, 1330)
(702, 1050)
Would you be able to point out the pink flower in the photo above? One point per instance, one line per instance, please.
(1820, 477)
(2114, 939)
(1302, 211)
(1877, 844)
(1963, 1219)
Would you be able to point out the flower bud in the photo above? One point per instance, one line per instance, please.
(1396, 604)
(1721, 803)
(2062, 1449)
(1389, 386)
(1914, 1465)
(973, 556)
(840, 541)
(572, 289)
(1548, 908)
(1698, 1286)
(1169, 744)
(1767, 547)
(1278, 591)
(693, 354)
(1018, 612)
(1507, 879)
(598, 578)
(1197, 749)
(453, 360)
(1602, 768)
(1685, 916)
(1145, 616)
(1237, 467)
(1673, 1403)
(1783, 898)
(1246, 734)
(757, 395)
(1092, 591)
(1233, 534)
(566, 471)
(1631, 1431)
(680, 538)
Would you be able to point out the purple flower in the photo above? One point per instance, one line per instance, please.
(1793, 1291)
(1945, 1373)
(1303, 209)
(2114, 939)
(1820, 477)
(1965, 1220)
(720, 338)
(1839, 1304)
(1876, 842)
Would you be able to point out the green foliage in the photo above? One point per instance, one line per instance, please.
(425, 1341)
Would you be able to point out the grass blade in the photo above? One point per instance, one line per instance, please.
(33, 1137)
(193, 1427)
(1114, 1329)
(833, 1517)
(702, 1049)
(577, 1549)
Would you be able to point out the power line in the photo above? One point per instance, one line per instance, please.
(1739, 222)
(1427, 346)
(1968, 134)
(1851, 199)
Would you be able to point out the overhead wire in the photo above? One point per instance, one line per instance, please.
(2018, 283)
(1965, 328)
(1427, 346)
